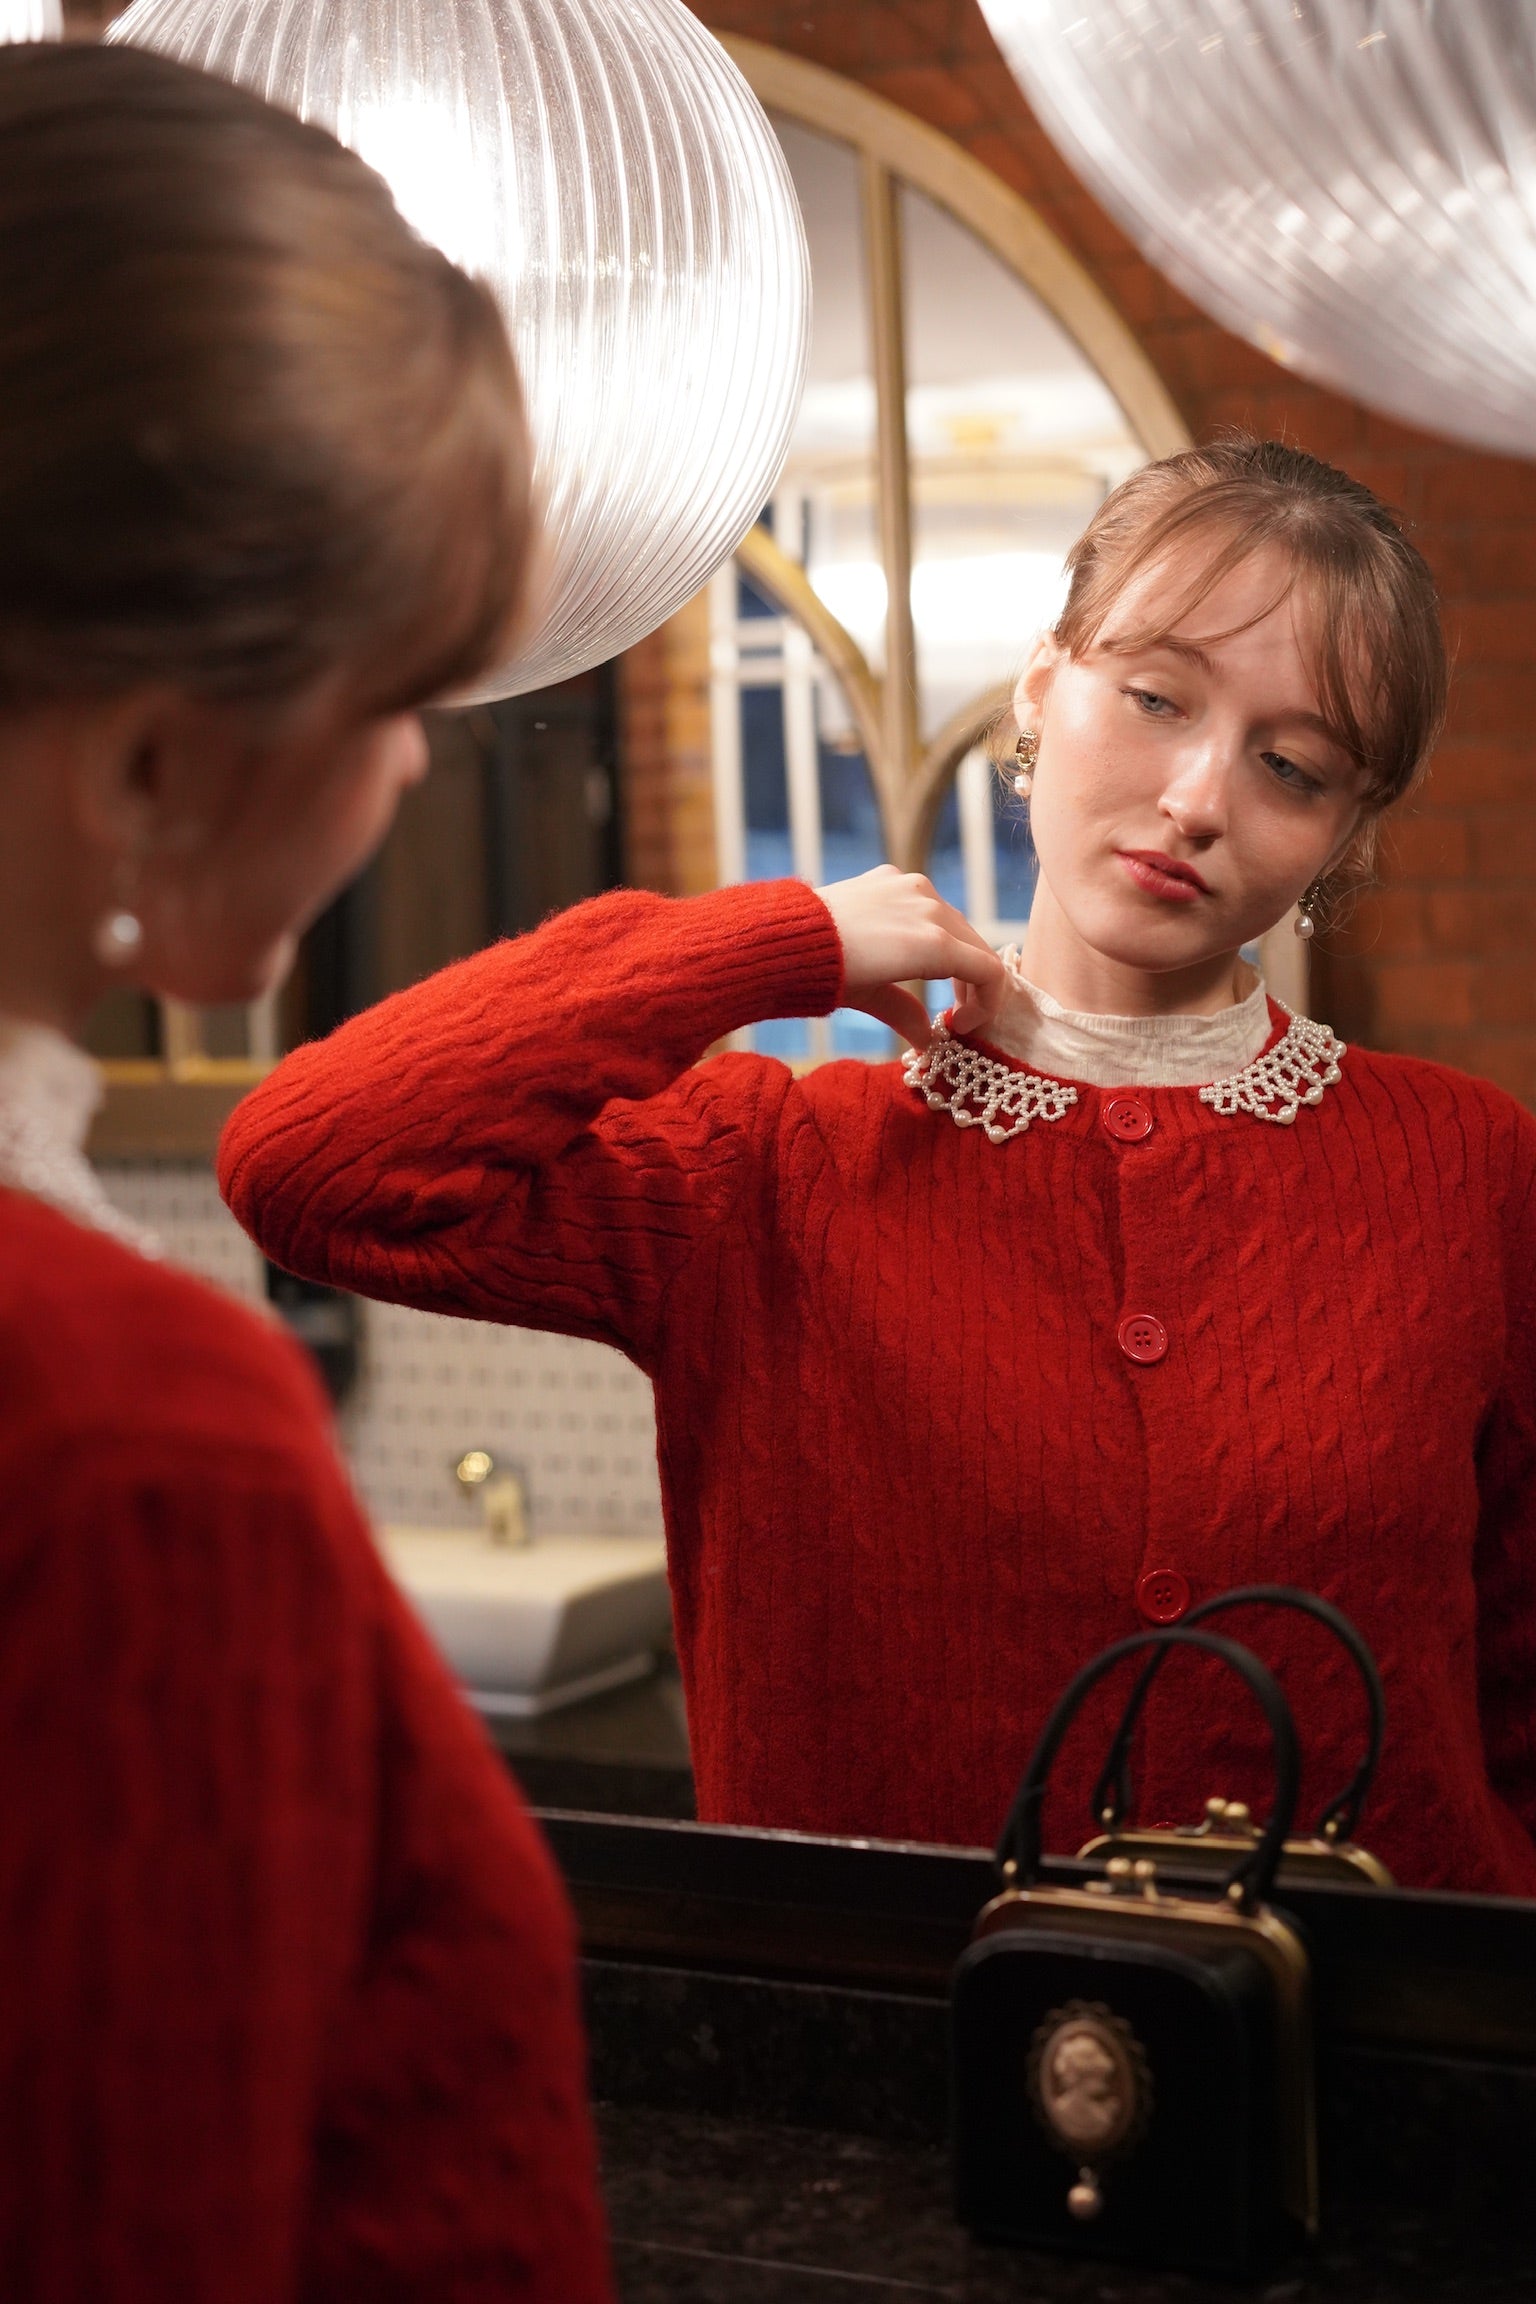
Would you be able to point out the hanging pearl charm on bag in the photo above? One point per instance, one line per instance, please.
(1027, 752)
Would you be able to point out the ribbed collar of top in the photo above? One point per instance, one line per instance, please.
(49, 1093)
(1282, 1063)
(1128, 1051)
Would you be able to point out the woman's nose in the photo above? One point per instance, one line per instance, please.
(1195, 803)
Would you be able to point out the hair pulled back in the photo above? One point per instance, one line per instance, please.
(253, 431)
(1380, 653)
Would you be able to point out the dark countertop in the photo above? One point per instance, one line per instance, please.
(623, 1754)
(720, 2211)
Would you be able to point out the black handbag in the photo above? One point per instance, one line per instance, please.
(1132, 2069)
(1330, 1852)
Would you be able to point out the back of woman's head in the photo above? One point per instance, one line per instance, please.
(1379, 654)
(253, 431)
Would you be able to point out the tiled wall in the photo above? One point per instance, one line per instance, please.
(577, 1417)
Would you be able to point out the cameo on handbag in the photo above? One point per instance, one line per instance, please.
(1091, 2091)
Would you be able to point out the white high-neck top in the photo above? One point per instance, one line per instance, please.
(1128, 1051)
(49, 1092)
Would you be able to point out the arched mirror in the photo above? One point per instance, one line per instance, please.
(972, 396)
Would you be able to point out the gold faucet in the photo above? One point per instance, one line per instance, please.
(503, 1494)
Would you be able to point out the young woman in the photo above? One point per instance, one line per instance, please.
(1203, 1299)
(289, 2004)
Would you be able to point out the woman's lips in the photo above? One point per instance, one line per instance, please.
(1159, 875)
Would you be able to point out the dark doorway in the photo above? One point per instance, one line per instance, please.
(519, 818)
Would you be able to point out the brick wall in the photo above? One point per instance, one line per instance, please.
(1441, 960)
(664, 744)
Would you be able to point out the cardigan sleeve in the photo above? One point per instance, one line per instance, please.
(1506, 1550)
(523, 1137)
(299, 2008)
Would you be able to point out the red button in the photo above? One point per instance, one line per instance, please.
(1143, 1338)
(1126, 1120)
(1162, 1595)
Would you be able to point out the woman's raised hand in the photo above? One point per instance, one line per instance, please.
(897, 928)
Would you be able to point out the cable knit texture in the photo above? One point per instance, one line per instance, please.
(290, 2005)
(911, 1478)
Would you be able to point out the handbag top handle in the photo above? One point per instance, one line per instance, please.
(1112, 1793)
(1252, 1876)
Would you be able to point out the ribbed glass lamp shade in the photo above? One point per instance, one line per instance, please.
(31, 20)
(1350, 184)
(606, 168)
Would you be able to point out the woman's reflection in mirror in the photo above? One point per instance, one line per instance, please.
(1127, 1287)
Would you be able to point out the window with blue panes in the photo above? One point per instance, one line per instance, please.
(1013, 440)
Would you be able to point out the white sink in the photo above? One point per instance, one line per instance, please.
(529, 1629)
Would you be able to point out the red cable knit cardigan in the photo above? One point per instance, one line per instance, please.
(288, 2007)
(912, 1475)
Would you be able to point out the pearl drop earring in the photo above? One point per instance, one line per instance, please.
(1027, 752)
(1305, 924)
(117, 938)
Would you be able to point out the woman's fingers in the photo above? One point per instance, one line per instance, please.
(896, 928)
(976, 1004)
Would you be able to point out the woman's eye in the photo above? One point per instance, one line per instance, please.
(1150, 702)
(1288, 772)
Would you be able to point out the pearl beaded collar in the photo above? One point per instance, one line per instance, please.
(981, 1091)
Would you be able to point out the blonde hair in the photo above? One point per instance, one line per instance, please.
(253, 431)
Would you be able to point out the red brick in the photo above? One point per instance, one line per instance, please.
(841, 40)
(933, 94)
(1494, 631)
(1469, 772)
(1391, 438)
(1240, 410)
(1415, 994)
(1135, 288)
(1316, 421)
(1480, 921)
(1388, 478)
(991, 83)
(1495, 700)
(1392, 923)
(1503, 844)
(1093, 232)
(937, 23)
(1490, 560)
(1505, 994)
(1468, 487)
(1006, 159)
(897, 37)
(1425, 847)
(1214, 360)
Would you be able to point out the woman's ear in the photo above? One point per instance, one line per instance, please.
(113, 769)
(1034, 682)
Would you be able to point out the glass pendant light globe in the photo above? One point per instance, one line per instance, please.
(31, 20)
(603, 165)
(1350, 184)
